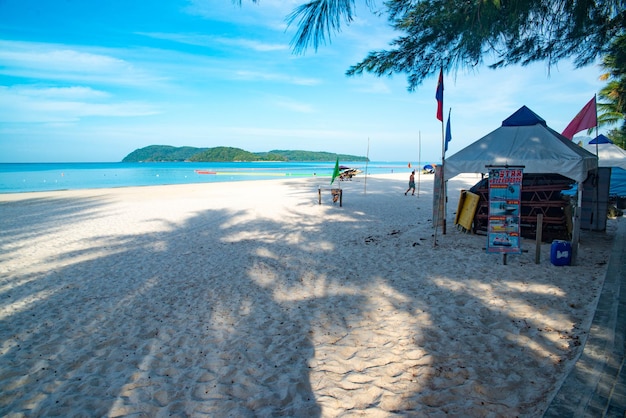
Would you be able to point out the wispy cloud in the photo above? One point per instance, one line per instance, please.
(287, 133)
(266, 13)
(64, 105)
(376, 86)
(253, 45)
(293, 105)
(276, 77)
(211, 41)
(69, 63)
(70, 93)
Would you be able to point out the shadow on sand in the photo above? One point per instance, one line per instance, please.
(229, 315)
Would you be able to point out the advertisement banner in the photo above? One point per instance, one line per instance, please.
(505, 201)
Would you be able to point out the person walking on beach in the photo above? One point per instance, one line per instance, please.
(411, 183)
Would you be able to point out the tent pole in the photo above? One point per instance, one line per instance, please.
(419, 160)
(576, 228)
(367, 160)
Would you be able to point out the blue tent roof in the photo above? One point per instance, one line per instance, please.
(601, 139)
(523, 117)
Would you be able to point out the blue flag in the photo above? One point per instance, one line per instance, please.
(448, 133)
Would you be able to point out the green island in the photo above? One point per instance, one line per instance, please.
(168, 153)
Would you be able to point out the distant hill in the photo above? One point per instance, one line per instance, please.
(298, 155)
(228, 154)
(167, 153)
(162, 153)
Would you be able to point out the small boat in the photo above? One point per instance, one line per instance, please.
(204, 172)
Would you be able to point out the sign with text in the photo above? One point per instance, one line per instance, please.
(505, 201)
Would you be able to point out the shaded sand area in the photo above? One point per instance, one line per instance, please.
(251, 300)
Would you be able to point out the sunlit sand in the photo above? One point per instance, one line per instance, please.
(250, 299)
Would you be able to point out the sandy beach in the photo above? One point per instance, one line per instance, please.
(248, 299)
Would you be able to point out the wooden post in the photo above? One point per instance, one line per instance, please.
(538, 238)
(340, 197)
(576, 233)
(319, 196)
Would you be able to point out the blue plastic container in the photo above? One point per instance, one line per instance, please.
(561, 253)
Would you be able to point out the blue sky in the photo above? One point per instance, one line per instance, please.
(84, 81)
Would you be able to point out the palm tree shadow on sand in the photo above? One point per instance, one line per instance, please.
(230, 315)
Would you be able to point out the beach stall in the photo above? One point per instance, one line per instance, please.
(612, 157)
(524, 139)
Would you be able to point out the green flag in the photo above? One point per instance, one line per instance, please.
(336, 171)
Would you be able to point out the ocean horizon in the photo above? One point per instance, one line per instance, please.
(36, 177)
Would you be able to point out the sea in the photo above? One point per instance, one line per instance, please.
(37, 177)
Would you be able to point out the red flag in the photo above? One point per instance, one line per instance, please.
(439, 96)
(585, 119)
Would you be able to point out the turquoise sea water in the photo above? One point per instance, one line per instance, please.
(31, 177)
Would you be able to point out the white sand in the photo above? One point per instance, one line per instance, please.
(249, 299)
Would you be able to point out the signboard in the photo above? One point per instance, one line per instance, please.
(505, 201)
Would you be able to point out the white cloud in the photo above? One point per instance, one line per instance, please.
(266, 13)
(370, 85)
(20, 105)
(276, 77)
(213, 41)
(74, 92)
(292, 105)
(69, 63)
(253, 45)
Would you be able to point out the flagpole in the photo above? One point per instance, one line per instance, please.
(596, 209)
(419, 161)
(580, 122)
(443, 174)
(439, 212)
(367, 160)
(596, 105)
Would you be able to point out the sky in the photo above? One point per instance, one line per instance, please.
(93, 80)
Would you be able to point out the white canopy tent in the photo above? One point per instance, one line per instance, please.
(609, 154)
(524, 139)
